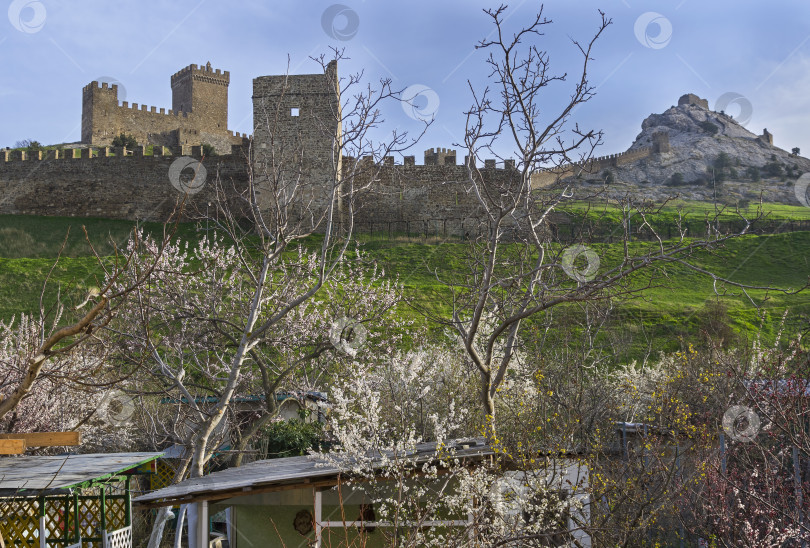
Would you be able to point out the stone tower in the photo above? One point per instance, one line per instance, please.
(200, 113)
(297, 135)
(766, 137)
(440, 156)
(692, 99)
(100, 118)
(203, 92)
(660, 140)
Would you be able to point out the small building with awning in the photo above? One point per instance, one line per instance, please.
(291, 501)
(307, 501)
(69, 501)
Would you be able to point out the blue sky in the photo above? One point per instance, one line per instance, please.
(760, 51)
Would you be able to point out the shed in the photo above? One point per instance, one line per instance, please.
(295, 501)
(69, 500)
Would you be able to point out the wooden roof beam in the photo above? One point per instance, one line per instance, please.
(12, 447)
(46, 439)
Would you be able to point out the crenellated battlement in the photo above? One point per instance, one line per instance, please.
(116, 183)
(597, 164)
(100, 86)
(618, 158)
(430, 165)
(199, 112)
(9, 157)
(161, 111)
(203, 73)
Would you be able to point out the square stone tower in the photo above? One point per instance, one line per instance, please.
(101, 119)
(202, 91)
(297, 137)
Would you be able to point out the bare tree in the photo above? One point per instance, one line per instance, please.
(517, 269)
(65, 337)
(249, 309)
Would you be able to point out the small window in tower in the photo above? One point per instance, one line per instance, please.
(294, 111)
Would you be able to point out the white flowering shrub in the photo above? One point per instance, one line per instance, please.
(67, 394)
(382, 413)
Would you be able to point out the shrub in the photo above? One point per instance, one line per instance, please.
(291, 438)
(722, 161)
(125, 140)
(773, 169)
(29, 145)
(208, 150)
(709, 127)
(715, 325)
(676, 179)
(752, 172)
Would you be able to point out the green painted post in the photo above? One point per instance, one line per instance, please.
(76, 522)
(103, 510)
(128, 504)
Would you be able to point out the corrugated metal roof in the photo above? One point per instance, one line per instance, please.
(33, 475)
(291, 471)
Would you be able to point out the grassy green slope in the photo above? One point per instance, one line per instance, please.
(671, 311)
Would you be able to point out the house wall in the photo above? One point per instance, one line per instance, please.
(267, 519)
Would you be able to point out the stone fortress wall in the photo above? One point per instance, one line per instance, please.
(111, 183)
(593, 167)
(434, 198)
(199, 113)
(296, 130)
(117, 183)
(97, 181)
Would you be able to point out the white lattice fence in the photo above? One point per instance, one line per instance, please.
(77, 545)
(122, 538)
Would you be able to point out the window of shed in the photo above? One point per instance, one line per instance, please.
(294, 111)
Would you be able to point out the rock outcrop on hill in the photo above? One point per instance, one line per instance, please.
(708, 153)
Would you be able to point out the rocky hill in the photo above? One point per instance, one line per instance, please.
(692, 151)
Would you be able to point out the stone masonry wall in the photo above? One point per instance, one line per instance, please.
(592, 167)
(296, 135)
(134, 187)
(430, 198)
(433, 198)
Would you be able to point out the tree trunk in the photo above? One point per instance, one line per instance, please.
(163, 514)
(489, 404)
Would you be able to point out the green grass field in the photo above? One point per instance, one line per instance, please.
(695, 211)
(671, 313)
